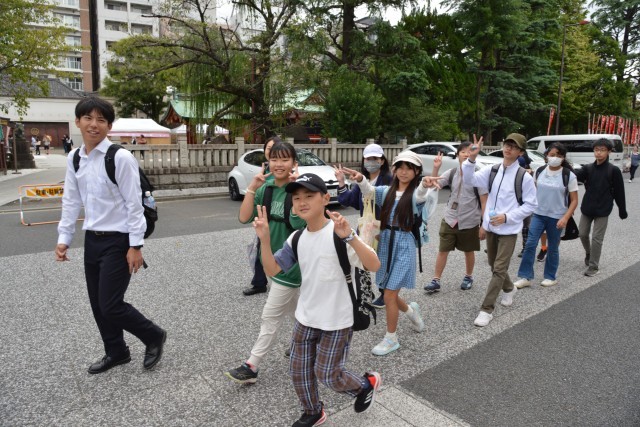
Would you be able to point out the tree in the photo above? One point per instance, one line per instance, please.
(505, 45)
(621, 20)
(352, 107)
(28, 50)
(329, 27)
(223, 68)
(133, 81)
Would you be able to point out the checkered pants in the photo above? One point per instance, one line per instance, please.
(318, 355)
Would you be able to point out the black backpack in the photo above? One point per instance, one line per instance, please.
(266, 201)
(150, 214)
(566, 172)
(518, 181)
(361, 298)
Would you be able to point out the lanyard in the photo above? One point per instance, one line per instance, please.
(495, 201)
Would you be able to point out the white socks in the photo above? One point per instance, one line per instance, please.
(392, 336)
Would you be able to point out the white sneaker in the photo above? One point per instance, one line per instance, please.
(483, 319)
(417, 324)
(522, 283)
(507, 297)
(630, 180)
(548, 282)
(385, 346)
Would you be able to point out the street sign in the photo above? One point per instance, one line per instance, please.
(40, 191)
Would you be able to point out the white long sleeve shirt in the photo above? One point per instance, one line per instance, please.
(107, 207)
(502, 198)
(421, 192)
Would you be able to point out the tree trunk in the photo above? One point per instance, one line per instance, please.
(348, 27)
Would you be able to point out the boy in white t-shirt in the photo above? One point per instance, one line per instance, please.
(324, 316)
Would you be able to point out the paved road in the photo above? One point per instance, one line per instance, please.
(569, 350)
(177, 218)
(574, 364)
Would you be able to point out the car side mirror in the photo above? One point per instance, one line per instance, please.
(452, 155)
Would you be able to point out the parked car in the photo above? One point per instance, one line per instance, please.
(429, 150)
(251, 162)
(537, 159)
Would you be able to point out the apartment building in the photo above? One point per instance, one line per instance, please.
(95, 26)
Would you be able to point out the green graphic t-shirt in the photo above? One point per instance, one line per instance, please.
(279, 230)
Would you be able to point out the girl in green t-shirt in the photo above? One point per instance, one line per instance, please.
(283, 295)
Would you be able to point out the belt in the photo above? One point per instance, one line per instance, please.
(104, 233)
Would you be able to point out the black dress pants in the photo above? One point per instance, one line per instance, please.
(259, 279)
(107, 273)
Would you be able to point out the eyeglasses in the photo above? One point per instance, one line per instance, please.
(510, 146)
(600, 150)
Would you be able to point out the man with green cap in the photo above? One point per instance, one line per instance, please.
(512, 198)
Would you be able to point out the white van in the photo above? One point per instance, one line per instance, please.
(580, 147)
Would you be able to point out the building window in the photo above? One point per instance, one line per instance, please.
(143, 10)
(71, 3)
(74, 41)
(114, 5)
(115, 26)
(73, 62)
(72, 21)
(141, 29)
(74, 83)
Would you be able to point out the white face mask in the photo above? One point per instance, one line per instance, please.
(554, 162)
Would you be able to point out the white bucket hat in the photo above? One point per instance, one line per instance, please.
(409, 157)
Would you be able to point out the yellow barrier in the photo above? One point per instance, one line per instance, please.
(40, 191)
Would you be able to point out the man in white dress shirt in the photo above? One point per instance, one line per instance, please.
(502, 218)
(114, 235)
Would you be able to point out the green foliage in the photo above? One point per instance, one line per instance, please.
(352, 108)
(620, 20)
(27, 50)
(225, 75)
(133, 80)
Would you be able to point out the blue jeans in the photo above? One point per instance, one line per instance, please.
(540, 224)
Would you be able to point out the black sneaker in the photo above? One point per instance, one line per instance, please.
(287, 352)
(521, 253)
(366, 397)
(242, 375)
(541, 255)
(379, 302)
(311, 420)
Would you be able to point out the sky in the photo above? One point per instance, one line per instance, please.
(392, 15)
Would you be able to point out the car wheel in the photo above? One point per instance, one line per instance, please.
(234, 191)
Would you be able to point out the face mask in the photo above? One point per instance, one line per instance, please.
(554, 161)
(372, 166)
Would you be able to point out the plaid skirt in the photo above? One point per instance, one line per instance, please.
(402, 271)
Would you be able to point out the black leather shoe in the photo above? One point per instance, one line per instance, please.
(254, 290)
(108, 362)
(153, 353)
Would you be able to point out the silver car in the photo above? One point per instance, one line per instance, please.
(429, 150)
(250, 164)
(537, 159)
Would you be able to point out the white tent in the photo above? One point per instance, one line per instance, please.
(219, 130)
(137, 127)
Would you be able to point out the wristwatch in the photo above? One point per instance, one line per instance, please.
(137, 247)
(350, 237)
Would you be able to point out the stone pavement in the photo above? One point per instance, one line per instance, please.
(193, 289)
